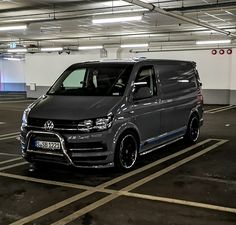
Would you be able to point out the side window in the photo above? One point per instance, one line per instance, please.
(75, 79)
(146, 78)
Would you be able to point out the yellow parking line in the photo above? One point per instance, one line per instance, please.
(109, 198)
(99, 187)
(10, 160)
(8, 154)
(132, 173)
(9, 134)
(218, 108)
(179, 202)
(9, 137)
(12, 166)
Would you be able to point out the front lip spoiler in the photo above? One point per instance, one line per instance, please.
(64, 150)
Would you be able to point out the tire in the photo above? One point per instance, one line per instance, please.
(193, 130)
(126, 153)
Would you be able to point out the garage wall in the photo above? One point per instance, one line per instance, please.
(12, 75)
(217, 72)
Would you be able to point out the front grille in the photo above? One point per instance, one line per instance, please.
(48, 158)
(59, 124)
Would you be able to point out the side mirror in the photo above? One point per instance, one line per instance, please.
(142, 93)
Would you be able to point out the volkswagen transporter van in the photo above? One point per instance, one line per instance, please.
(103, 114)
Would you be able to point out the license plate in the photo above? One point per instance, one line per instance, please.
(47, 145)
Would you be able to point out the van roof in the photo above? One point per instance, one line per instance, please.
(133, 61)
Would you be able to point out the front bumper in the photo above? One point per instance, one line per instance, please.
(87, 150)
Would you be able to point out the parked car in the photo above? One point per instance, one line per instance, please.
(103, 114)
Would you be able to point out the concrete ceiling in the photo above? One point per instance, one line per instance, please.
(69, 23)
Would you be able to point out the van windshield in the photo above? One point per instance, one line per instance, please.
(103, 79)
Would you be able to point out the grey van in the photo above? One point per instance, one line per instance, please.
(103, 114)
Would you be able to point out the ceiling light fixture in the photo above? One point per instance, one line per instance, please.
(90, 47)
(213, 42)
(12, 59)
(51, 49)
(134, 46)
(17, 50)
(17, 27)
(117, 19)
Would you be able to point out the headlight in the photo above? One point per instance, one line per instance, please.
(96, 124)
(26, 112)
(25, 117)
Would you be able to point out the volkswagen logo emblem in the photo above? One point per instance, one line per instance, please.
(49, 125)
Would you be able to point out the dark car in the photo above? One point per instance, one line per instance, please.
(101, 114)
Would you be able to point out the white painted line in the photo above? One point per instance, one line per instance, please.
(9, 134)
(8, 154)
(84, 210)
(56, 183)
(12, 166)
(109, 198)
(222, 110)
(218, 108)
(179, 202)
(9, 137)
(172, 167)
(10, 160)
(134, 172)
(2, 123)
(9, 102)
(99, 187)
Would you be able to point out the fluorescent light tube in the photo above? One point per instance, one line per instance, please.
(17, 27)
(12, 59)
(16, 50)
(117, 19)
(134, 46)
(51, 49)
(213, 42)
(90, 47)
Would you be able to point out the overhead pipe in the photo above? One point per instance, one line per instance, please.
(154, 8)
(219, 5)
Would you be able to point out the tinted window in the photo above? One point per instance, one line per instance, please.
(146, 78)
(177, 79)
(102, 79)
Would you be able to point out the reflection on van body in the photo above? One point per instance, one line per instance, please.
(101, 114)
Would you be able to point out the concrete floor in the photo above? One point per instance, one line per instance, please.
(176, 185)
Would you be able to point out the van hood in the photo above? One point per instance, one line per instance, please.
(73, 107)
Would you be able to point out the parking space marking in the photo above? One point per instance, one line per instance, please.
(8, 154)
(173, 166)
(20, 101)
(9, 134)
(179, 202)
(9, 137)
(100, 188)
(155, 163)
(2, 123)
(10, 160)
(56, 183)
(12, 166)
(111, 197)
(220, 109)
